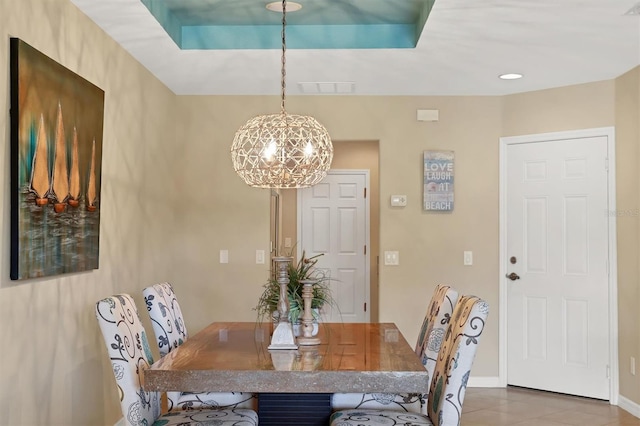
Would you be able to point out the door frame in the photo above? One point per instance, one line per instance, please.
(609, 133)
(367, 230)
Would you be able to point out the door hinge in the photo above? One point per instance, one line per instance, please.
(365, 193)
(365, 250)
(606, 163)
(608, 372)
(365, 306)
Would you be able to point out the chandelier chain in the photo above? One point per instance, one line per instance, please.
(282, 150)
(284, 49)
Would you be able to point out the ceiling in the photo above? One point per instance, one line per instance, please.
(461, 49)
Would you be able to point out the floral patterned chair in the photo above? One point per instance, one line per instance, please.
(168, 326)
(451, 374)
(434, 327)
(129, 351)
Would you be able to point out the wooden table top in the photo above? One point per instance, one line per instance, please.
(233, 357)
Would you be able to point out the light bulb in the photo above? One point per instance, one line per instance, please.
(270, 151)
(308, 149)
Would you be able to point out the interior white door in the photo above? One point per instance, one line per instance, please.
(557, 244)
(333, 220)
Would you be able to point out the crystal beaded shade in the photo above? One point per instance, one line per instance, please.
(282, 150)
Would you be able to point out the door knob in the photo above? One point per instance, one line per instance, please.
(513, 276)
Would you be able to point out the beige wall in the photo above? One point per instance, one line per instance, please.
(430, 245)
(217, 211)
(172, 201)
(53, 364)
(627, 111)
(565, 108)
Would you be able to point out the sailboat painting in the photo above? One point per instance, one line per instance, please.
(56, 164)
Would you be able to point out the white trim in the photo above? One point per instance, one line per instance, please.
(609, 133)
(629, 406)
(367, 234)
(614, 384)
(484, 382)
(502, 298)
(120, 422)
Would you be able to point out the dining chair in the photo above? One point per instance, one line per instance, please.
(449, 382)
(170, 331)
(129, 352)
(434, 326)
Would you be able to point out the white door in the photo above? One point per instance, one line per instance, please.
(333, 220)
(557, 244)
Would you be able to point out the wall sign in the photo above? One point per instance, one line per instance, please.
(438, 181)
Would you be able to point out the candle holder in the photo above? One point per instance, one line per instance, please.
(307, 338)
(282, 337)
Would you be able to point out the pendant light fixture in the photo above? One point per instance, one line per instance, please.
(282, 150)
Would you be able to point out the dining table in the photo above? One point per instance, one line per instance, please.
(294, 387)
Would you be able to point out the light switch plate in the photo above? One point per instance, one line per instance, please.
(260, 257)
(224, 256)
(392, 258)
(468, 258)
(398, 200)
(428, 115)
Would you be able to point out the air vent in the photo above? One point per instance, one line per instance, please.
(327, 87)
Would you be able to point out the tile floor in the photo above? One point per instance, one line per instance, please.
(514, 406)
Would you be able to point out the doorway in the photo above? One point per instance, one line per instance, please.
(333, 222)
(356, 154)
(558, 259)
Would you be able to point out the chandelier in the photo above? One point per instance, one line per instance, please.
(282, 150)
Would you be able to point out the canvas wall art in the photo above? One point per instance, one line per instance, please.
(56, 158)
(438, 181)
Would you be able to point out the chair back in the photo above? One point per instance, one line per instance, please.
(455, 359)
(166, 317)
(431, 334)
(435, 325)
(129, 352)
(170, 331)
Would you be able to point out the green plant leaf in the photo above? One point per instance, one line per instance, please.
(304, 269)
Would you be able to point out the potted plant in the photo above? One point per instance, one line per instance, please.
(267, 306)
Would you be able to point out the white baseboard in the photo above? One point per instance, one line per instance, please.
(628, 405)
(484, 382)
(120, 422)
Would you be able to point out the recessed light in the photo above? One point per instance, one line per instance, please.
(276, 6)
(510, 76)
